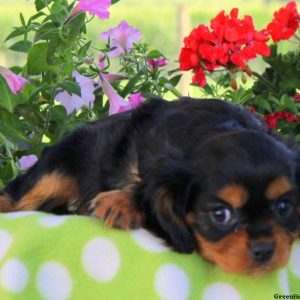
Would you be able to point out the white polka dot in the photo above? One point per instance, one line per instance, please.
(52, 221)
(295, 259)
(148, 241)
(5, 242)
(222, 291)
(14, 276)
(101, 259)
(19, 214)
(54, 281)
(283, 278)
(172, 283)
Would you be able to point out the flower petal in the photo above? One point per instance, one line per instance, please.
(96, 7)
(14, 81)
(121, 37)
(116, 102)
(71, 102)
(27, 161)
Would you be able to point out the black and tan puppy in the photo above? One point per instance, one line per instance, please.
(204, 175)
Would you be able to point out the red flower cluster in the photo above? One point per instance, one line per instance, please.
(229, 42)
(273, 118)
(285, 23)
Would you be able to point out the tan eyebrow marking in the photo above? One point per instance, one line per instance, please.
(234, 194)
(278, 187)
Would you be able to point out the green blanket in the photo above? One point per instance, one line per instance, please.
(43, 256)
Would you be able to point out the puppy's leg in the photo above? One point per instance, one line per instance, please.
(117, 209)
(51, 191)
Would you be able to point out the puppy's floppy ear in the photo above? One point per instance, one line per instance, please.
(169, 186)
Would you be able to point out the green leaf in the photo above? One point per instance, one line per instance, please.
(84, 49)
(131, 84)
(16, 69)
(46, 31)
(59, 113)
(6, 96)
(273, 99)
(34, 95)
(76, 25)
(7, 172)
(36, 16)
(114, 1)
(21, 46)
(12, 127)
(173, 90)
(71, 87)
(154, 54)
(175, 80)
(16, 32)
(209, 90)
(37, 59)
(55, 46)
(57, 7)
(40, 4)
(264, 104)
(289, 103)
(22, 20)
(224, 80)
(9, 100)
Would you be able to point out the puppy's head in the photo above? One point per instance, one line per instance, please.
(240, 204)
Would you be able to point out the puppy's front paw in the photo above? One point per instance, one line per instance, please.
(117, 209)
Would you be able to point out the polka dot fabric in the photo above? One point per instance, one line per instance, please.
(43, 256)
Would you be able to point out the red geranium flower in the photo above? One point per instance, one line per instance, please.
(272, 119)
(285, 23)
(229, 42)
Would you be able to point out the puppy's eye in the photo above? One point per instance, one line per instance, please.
(221, 215)
(284, 208)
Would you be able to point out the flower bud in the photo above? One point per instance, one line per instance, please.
(297, 97)
(244, 78)
(232, 70)
(248, 71)
(88, 60)
(233, 83)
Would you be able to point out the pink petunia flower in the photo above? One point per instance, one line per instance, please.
(71, 102)
(27, 161)
(14, 81)
(155, 63)
(110, 77)
(117, 104)
(121, 38)
(136, 100)
(94, 7)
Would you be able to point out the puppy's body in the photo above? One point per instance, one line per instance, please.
(178, 168)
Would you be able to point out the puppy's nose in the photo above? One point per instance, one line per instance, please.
(261, 252)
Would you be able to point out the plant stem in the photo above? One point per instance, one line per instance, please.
(49, 112)
(264, 81)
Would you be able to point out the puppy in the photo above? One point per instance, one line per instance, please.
(204, 175)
